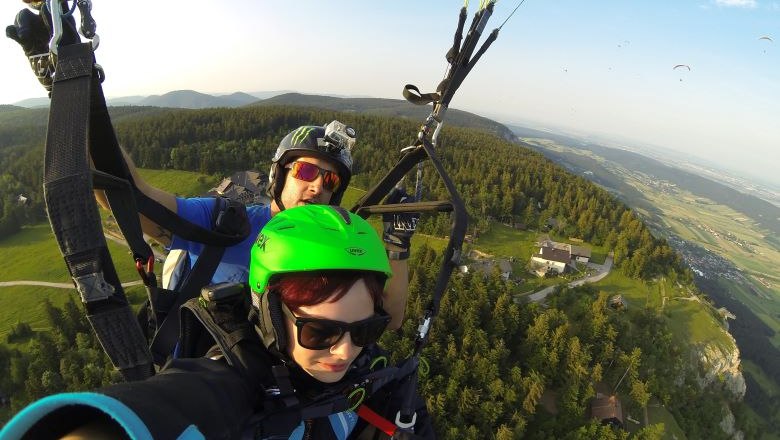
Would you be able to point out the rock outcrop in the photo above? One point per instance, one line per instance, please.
(720, 368)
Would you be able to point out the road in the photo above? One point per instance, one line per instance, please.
(55, 285)
(602, 270)
(111, 237)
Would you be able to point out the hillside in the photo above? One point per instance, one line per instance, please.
(762, 212)
(193, 99)
(388, 107)
(524, 188)
(734, 255)
(17, 117)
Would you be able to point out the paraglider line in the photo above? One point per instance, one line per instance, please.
(510, 15)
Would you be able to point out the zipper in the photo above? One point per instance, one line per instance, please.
(307, 429)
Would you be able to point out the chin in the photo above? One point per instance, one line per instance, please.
(327, 376)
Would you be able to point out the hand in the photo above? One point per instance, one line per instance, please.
(32, 33)
(399, 227)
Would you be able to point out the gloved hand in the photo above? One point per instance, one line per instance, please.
(399, 227)
(32, 33)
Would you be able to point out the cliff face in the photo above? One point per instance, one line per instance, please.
(720, 368)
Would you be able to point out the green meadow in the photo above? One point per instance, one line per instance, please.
(691, 321)
(33, 255)
(181, 183)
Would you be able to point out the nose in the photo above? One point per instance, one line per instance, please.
(344, 348)
(315, 186)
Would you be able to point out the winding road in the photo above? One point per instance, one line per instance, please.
(158, 254)
(602, 270)
(55, 285)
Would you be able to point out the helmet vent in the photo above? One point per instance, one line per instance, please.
(344, 214)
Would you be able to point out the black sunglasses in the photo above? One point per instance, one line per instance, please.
(320, 334)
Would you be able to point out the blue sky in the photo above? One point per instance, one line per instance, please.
(594, 68)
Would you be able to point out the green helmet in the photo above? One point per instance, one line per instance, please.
(308, 238)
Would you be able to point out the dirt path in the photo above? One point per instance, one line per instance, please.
(111, 237)
(55, 285)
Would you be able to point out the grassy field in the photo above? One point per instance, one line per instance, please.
(181, 183)
(691, 322)
(25, 303)
(723, 231)
(767, 310)
(32, 254)
(24, 253)
(658, 414)
(766, 383)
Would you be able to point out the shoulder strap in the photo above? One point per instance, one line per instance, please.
(227, 216)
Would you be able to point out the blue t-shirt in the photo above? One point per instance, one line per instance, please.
(234, 266)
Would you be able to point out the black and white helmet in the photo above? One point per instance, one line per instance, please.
(332, 142)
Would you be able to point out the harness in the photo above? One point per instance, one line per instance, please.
(80, 129)
(219, 324)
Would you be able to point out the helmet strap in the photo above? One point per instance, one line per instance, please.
(279, 203)
(278, 186)
(272, 326)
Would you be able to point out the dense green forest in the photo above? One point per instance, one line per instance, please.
(491, 359)
(523, 186)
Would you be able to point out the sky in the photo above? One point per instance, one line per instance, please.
(602, 68)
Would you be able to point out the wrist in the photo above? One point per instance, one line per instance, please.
(398, 255)
(395, 247)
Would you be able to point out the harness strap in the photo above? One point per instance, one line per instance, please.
(167, 335)
(375, 419)
(74, 216)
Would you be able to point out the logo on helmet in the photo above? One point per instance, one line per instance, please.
(262, 239)
(356, 251)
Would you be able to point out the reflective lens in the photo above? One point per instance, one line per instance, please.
(308, 172)
(320, 334)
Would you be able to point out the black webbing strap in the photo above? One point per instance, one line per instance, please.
(459, 57)
(229, 218)
(113, 176)
(74, 217)
(167, 335)
(413, 95)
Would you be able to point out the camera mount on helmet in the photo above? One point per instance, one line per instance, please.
(339, 136)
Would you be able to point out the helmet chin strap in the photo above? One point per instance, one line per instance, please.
(279, 203)
(278, 193)
(272, 325)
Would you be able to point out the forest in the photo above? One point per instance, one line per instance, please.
(492, 359)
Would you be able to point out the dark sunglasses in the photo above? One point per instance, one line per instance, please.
(321, 334)
(308, 172)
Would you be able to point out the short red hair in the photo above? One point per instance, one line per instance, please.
(302, 289)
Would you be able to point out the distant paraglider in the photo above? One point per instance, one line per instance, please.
(766, 38)
(682, 67)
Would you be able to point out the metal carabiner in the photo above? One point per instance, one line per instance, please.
(88, 25)
(55, 9)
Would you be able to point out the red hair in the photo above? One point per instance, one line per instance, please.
(302, 289)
